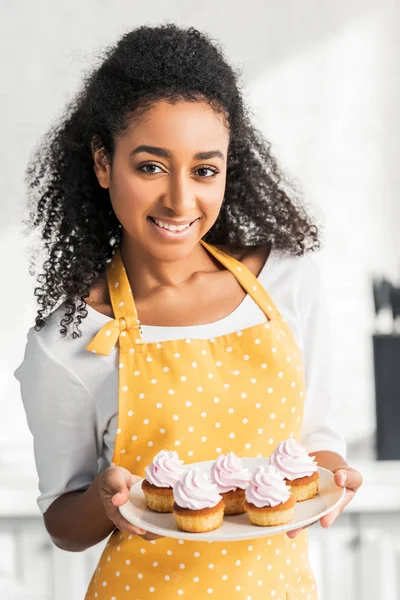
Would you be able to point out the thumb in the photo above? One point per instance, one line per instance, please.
(120, 497)
(119, 484)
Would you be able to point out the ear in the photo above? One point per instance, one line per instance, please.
(101, 165)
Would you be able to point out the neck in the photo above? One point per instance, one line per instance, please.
(146, 272)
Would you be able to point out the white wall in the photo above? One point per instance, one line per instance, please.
(332, 112)
(324, 82)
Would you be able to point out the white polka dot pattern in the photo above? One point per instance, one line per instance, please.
(203, 397)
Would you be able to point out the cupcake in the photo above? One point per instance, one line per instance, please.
(231, 479)
(269, 501)
(161, 476)
(298, 468)
(198, 507)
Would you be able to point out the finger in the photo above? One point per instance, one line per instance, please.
(349, 478)
(123, 525)
(120, 497)
(294, 532)
(116, 486)
(340, 478)
(117, 479)
(328, 519)
(114, 514)
(151, 536)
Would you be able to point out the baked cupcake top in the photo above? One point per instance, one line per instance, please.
(195, 490)
(267, 487)
(165, 469)
(292, 460)
(228, 473)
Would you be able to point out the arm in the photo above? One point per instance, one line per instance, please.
(79, 520)
(61, 414)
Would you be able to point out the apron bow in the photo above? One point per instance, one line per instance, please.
(105, 339)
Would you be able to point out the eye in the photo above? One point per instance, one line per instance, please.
(213, 171)
(150, 169)
(150, 166)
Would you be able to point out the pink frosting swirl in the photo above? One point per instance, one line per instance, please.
(229, 474)
(165, 469)
(195, 490)
(292, 460)
(267, 487)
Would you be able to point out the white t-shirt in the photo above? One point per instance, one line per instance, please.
(70, 395)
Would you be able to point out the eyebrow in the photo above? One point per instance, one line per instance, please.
(168, 154)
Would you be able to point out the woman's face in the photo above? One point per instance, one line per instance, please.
(167, 179)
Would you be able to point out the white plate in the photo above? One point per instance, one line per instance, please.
(238, 527)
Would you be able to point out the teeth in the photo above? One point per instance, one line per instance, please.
(171, 227)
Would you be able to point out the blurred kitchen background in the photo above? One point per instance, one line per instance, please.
(323, 79)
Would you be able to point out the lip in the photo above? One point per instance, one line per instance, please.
(173, 235)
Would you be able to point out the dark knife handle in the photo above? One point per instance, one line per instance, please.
(395, 301)
(382, 293)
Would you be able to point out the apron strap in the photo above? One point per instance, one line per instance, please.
(247, 280)
(120, 290)
(126, 327)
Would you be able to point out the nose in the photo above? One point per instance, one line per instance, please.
(180, 197)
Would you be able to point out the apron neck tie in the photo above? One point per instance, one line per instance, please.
(116, 329)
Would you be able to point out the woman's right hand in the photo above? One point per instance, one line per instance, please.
(114, 484)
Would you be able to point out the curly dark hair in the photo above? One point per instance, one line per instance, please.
(79, 231)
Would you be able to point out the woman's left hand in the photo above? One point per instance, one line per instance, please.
(345, 477)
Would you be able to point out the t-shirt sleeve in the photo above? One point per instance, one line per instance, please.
(60, 413)
(318, 430)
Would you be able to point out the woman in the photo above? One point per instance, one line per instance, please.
(165, 218)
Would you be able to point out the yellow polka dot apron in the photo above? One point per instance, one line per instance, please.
(244, 392)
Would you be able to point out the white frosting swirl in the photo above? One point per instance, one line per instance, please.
(165, 469)
(229, 474)
(267, 487)
(195, 490)
(292, 460)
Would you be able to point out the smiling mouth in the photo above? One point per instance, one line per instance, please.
(169, 227)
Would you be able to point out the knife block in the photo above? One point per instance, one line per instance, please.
(386, 349)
